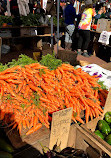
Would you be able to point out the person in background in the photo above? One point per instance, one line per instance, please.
(69, 16)
(84, 28)
(102, 13)
(105, 12)
(77, 6)
(31, 5)
(2, 7)
(39, 9)
(14, 8)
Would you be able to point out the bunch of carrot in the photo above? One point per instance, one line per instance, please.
(28, 94)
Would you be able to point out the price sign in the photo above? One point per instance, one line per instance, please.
(60, 127)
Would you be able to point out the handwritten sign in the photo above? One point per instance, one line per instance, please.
(60, 127)
(107, 106)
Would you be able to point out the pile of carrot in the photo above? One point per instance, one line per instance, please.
(28, 94)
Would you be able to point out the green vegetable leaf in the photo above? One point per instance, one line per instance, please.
(50, 61)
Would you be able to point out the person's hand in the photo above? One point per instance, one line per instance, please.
(100, 11)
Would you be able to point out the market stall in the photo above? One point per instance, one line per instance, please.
(38, 91)
(57, 106)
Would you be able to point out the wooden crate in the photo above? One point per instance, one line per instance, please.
(99, 143)
(91, 126)
(25, 31)
(42, 135)
(79, 137)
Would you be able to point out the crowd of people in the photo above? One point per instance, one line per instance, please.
(78, 16)
(81, 23)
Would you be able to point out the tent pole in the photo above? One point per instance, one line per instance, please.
(58, 5)
(52, 33)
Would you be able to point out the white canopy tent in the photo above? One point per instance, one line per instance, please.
(22, 5)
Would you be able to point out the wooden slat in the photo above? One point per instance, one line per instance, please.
(32, 139)
(94, 140)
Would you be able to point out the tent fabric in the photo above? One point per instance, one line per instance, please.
(23, 7)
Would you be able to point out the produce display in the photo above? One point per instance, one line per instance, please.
(30, 92)
(29, 20)
(103, 129)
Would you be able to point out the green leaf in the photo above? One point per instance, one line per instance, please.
(50, 61)
(75, 114)
(101, 83)
(23, 105)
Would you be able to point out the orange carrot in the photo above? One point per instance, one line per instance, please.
(38, 126)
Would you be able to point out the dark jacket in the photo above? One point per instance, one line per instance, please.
(69, 14)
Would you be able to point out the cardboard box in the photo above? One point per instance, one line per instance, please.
(103, 25)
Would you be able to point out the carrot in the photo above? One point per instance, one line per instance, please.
(28, 109)
(24, 123)
(27, 123)
(10, 90)
(79, 119)
(21, 99)
(13, 69)
(73, 118)
(2, 91)
(15, 125)
(3, 82)
(87, 114)
(2, 115)
(26, 91)
(43, 120)
(35, 121)
(34, 88)
(45, 100)
(38, 126)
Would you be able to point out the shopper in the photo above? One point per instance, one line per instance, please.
(2, 7)
(69, 15)
(84, 28)
(39, 9)
(31, 5)
(14, 8)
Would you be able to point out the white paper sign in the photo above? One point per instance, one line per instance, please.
(104, 37)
